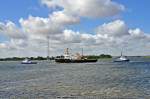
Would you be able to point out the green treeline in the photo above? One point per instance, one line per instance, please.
(22, 58)
(52, 58)
(98, 57)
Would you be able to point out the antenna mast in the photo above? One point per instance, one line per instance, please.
(48, 47)
(82, 52)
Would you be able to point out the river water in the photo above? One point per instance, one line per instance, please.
(101, 80)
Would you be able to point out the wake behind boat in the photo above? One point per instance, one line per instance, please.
(67, 58)
(27, 61)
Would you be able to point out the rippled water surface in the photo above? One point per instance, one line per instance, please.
(49, 80)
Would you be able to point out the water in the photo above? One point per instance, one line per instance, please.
(103, 79)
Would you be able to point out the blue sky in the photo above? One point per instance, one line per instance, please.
(16, 9)
(113, 28)
(136, 13)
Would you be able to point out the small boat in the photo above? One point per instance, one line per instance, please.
(27, 61)
(67, 58)
(122, 59)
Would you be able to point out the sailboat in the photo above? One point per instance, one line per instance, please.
(122, 59)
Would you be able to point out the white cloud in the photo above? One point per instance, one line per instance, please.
(71, 36)
(138, 34)
(3, 46)
(116, 28)
(16, 37)
(12, 31)
(60, 17)
(113, 36)
(38, 27)
(86, 8)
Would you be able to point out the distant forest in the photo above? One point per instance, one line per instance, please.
(98, 57)
(52, 58)
(22, 58)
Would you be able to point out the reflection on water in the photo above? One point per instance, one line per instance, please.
(103, 79)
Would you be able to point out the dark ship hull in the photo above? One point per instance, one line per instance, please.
(75, 61)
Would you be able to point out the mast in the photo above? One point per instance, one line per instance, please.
(48, 47)
(82, 52)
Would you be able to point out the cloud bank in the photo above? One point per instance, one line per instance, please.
(112, 37)
(86, 8)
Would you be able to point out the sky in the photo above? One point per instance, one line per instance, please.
(97, 26)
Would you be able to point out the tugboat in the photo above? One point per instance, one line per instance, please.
(27, 61)
(122, 59)
(67, 58)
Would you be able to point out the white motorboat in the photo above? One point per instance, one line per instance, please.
(27, 61)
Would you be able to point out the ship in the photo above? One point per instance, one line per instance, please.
(122, 59)
(68, 58)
